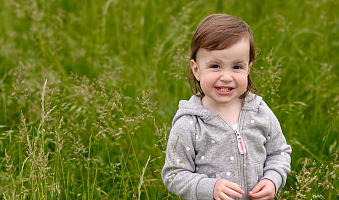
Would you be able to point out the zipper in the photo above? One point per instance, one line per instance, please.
(242, 151)
(240, 142)
(241, 145)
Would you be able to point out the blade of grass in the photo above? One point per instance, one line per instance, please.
(142, 178)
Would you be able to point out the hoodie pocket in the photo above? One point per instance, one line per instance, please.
(254, 174)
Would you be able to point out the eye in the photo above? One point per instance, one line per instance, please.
(215, 66)
(236, 67)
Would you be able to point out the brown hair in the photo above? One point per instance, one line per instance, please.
(217, 32)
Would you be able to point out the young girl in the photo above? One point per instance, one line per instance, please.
(225, 142)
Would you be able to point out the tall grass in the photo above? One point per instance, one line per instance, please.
(88, 91)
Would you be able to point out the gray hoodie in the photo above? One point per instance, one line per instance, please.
(203, 148)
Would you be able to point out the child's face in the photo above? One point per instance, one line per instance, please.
(223, 73)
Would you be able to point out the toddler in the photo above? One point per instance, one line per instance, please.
(225, 142)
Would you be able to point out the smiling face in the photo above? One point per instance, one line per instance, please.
(223, 73)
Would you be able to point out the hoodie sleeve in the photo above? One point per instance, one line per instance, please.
(178, 173)
(277, 164)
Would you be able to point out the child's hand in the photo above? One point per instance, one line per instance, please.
(265, 189)
(222, 188)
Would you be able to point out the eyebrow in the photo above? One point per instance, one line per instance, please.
(240, 61)
(214, 61)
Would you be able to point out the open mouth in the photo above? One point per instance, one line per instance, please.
(224, 89)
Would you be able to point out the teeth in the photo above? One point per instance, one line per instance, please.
(225, 89)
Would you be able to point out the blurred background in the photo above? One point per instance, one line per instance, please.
(88, 90)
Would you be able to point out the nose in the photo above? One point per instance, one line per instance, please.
(226, 76)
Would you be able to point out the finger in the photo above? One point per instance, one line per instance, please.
(261, 195)
(258, 187)
(234, 186)
(232, 193)
(223, 196)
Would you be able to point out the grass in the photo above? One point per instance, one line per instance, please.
(88, 91)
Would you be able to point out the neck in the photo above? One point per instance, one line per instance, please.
(230, 112)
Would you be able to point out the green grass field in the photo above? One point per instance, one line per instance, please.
(88, 90)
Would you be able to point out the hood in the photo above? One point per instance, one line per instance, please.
(194, 107)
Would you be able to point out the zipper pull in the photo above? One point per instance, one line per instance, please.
(241, 145)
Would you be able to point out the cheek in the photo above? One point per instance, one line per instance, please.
(207, 81)
(243, 80)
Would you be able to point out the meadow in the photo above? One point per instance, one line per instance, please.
(88, 90)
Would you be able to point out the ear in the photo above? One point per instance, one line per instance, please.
(249, 67)
(195, 70)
